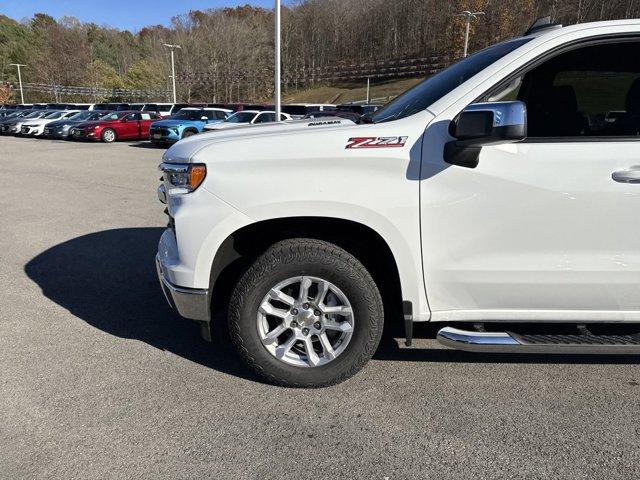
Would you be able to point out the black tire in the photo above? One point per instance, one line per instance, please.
(188, 133)
(295, 257)
(106, 137)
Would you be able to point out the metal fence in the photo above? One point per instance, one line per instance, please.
(58, 91)
(379, 70)
(341, 72)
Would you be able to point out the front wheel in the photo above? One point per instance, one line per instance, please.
(306, 314)
(108, 135)
(188, 133)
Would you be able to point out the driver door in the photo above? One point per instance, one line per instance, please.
(545, 229)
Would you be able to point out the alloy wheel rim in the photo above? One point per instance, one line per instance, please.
(305, 321)
(108, 135)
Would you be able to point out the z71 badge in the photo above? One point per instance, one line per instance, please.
(376, 142)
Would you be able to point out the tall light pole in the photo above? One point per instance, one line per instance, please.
(468, 16)
(278, 100)
(173, 69)
(19, 79)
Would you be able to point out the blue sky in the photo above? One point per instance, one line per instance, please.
(122, 14)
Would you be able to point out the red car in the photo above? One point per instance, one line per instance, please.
(126, 125)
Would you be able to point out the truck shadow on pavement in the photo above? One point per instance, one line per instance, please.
(108, 280)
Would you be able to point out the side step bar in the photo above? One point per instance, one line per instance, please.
(504, 342)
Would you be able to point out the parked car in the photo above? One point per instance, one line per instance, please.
(61, 128)
(125, 125)
(185, 123)
(112, 107)
(161, 109)
(482, 200)
(299, 110)
(247, 117)
(175, 108)
(359, 108)
(5, 112)
(84, 106)
(35, 128)
(12, 125)
(59, 106)
(354, 117)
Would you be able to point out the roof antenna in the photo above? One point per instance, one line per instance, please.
(541, 24)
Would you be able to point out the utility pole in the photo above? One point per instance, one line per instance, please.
(19, 79)
(368, 90)
(468, 16)
(278, 99)
(173, 69)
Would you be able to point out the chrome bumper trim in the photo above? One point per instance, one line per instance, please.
(191, 303)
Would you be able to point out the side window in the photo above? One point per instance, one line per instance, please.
(145, 116)
(221, 115)
(132, 116)
(211, 115)
(592, 91)
(265, 118)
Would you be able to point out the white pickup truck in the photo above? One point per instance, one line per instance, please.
(496, 197)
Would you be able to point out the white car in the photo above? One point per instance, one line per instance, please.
(492, 195)
(247, 117)
(35, 128)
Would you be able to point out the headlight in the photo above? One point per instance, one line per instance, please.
(183, 178)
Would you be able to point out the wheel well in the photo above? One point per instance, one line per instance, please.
(244, 245)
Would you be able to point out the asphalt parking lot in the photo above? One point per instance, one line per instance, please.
(100, 379)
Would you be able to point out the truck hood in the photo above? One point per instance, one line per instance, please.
(184, 150)
(224, 125)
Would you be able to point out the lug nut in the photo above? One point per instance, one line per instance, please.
(294, 311)
(305, 306)
(317, 313)
(294, 324)
(305, 331)
(317, 325)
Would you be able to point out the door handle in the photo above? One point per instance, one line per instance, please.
(627, 176)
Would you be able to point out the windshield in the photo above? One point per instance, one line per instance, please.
(113, 116)
(241, 117)
(81, 115)
(96, 115)
(36, 114)
(188, 115)
(53, 115)
(437, 86)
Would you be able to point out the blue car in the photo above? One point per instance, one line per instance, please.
(186, 122)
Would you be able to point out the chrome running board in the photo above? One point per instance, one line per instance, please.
(503, 342)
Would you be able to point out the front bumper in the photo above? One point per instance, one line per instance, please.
(163, 135)
(192, 303)
(56, 132)
(29, 130)
(10, 129)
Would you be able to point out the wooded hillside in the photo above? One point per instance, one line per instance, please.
(227, 54)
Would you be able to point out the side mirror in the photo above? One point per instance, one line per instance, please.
(484, 124)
